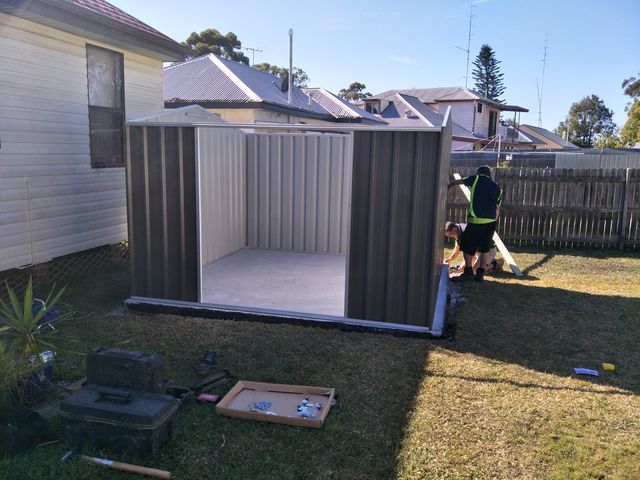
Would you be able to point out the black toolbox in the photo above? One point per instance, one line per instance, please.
(118, 419)
(115, 367)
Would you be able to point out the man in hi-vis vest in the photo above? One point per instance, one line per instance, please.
(484, 208)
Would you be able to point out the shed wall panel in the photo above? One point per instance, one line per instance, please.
(223, 192)
(399, 181)
(296, 186)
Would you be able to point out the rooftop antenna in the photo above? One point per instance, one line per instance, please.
(540, 85)
(253, 54)
(290, 85)
(468, 49)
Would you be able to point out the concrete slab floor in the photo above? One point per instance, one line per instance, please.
(277, 280)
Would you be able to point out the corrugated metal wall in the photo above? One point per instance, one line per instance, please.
(223, 192)
(396, 241)
(598, 160)
(298, 190)
(162, 212)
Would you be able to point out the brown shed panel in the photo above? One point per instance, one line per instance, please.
(162, 207)
(396, 235)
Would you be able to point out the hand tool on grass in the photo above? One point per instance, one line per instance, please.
(125, 467)
(216, 378)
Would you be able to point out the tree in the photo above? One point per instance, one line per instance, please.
(212, 41)
(487, 74)
(354, 92)
(587, 120)
(300, 77)
(630, 133)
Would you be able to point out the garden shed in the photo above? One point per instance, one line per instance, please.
(332, 224)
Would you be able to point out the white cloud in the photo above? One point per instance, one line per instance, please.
(404, 60)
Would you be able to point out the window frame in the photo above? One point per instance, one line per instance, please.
(119, 56)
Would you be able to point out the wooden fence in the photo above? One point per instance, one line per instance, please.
(563, 207)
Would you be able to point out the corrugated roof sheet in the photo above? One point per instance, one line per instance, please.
(543, 132)
(211, 79)
(339, 107)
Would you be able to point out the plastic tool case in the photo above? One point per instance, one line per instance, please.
(118, 419)
(115, 367)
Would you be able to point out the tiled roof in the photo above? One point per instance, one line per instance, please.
(544, 133)
(114, 13)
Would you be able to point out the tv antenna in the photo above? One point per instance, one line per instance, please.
(540, 85)
(468, 49)
(253, 54)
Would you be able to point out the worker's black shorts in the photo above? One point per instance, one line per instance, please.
(477, 237)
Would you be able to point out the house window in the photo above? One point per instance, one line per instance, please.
(493, 122)
(105, 80)
(479, 109)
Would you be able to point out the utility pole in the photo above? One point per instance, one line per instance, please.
(290, 87)
(468, 49)
(540, 85)
(253, 54)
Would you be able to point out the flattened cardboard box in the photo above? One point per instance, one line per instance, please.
(284, 401)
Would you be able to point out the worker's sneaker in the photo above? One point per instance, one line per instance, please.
(479, 275)
(467, 274)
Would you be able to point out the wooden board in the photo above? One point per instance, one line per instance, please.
(496, 238)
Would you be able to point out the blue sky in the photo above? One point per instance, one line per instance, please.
(592, 45)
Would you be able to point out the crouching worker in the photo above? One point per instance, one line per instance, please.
(484, 209)
(455, 231)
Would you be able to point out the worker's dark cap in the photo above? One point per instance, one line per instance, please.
(484, 170)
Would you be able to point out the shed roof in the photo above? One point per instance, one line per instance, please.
(98, 20)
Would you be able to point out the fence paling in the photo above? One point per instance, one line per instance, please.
(564, 207)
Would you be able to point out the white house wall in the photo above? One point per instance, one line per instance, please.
(298, 191)
(56, 203)
(222, 178)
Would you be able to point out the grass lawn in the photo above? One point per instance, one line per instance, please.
(495, 399)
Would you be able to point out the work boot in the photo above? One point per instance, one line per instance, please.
(465, 275)
(479, 274)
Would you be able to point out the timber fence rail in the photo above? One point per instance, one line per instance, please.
(597, 208)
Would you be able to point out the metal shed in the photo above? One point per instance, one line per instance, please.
(334, 225)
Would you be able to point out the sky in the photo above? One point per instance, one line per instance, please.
(592, 46)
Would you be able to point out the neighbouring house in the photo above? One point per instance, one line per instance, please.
(545, 139)
(407, 111)
(470, 110)
(73, 71)
(246, 95)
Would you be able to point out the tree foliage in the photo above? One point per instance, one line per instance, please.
(354, 92)
(487, 74)
(212, 41)
(631, 87)
(587, 120)
(630, 133)
(300, 77)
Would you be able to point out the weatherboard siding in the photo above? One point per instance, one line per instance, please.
(52, 202)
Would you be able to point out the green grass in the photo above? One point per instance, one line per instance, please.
(496, 399)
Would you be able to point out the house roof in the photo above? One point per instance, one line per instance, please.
(98, 20)
(447, 94)
(544, 133)
(339, 107)
(212, 81)
(186, 114)
(405, 110)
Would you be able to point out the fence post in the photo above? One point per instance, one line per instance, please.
(625, 212)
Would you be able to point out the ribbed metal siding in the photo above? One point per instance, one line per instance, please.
(162, 213)
(223, 191)
(298, 192)
(598, 160)
(398, 203)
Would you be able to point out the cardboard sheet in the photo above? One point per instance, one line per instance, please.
(240, 401)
